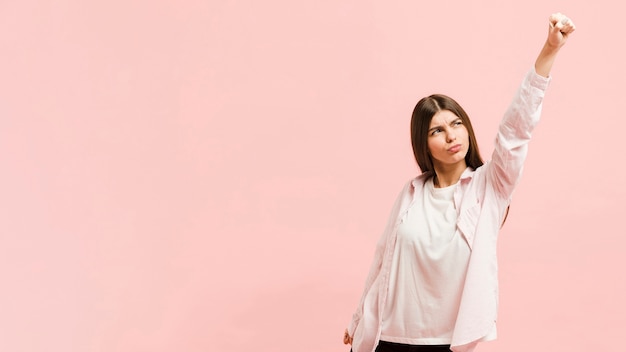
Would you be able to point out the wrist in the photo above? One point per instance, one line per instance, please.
(550, 48)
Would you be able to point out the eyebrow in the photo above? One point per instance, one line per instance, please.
(451, 122)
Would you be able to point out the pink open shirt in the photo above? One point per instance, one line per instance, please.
(481, 200)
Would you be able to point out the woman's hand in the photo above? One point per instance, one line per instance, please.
(560, 29)
(347, 339)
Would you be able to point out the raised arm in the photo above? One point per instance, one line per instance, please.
(560, 27)
(524, 112)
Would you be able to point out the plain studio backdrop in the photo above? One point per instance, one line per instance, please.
(214, 175)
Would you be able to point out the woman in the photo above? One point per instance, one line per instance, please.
(433, 283)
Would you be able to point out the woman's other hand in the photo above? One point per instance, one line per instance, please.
(347, 339)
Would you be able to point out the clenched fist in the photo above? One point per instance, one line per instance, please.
(560, 28)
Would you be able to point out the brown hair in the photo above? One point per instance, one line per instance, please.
(423, 113)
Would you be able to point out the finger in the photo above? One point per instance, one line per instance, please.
(562, 24)
(569, 26)
(561, 21)
(556, 28)
(558, 21)
(564, 28)
(555, 18)
(565, 21)
(567, 29)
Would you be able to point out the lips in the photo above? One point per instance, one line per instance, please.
(455, 148)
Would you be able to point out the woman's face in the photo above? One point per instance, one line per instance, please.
(448, 139)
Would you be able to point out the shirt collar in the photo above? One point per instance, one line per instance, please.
(467, 174)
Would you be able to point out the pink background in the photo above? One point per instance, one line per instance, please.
(213, 175)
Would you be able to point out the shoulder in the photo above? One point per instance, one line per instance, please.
(418, 181)
(410, 187)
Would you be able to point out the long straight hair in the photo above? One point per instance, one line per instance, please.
(423, 113)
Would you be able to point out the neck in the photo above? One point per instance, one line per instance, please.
(448, 175)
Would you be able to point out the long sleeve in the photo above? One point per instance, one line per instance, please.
(489, 193)
(379, 255)
(511, 146)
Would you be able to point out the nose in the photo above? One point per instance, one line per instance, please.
(450, 136)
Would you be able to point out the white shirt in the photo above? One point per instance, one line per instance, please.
(427, 273)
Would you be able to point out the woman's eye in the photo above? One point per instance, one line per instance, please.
(458, 122)
(435, 131)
